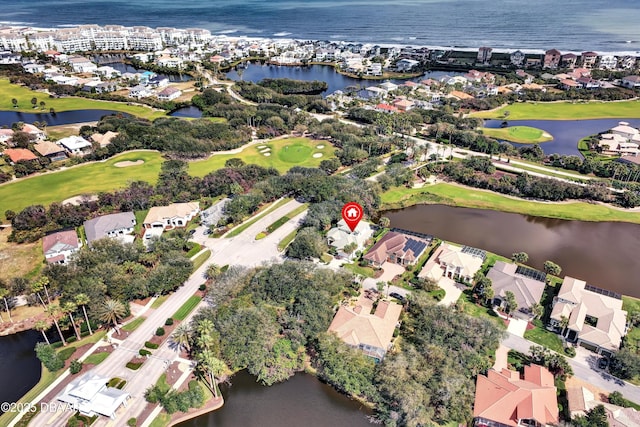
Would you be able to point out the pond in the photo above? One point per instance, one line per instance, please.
(566, 133)
(19, 366)
(602, 253)
(59, 118)
(190, 111)
(300, 401)
(255, 72)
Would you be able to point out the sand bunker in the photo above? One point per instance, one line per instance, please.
(266, 154)
(127, 163)
(260, 147)
(319, 146)
(317, 155)
(79, 199)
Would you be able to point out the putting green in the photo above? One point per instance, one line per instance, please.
(295, 153)
(520, 134)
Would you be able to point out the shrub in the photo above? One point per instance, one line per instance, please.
(113, 382)
(168, 322)
(571, 352)
(202, 287)
(134, 366)
(49, 358)
(144, 352)
(75, 366)
(132, 422)
(160, 331)
(73, 422)
(151, 345)
(121, 384)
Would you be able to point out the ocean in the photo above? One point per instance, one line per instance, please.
(576, 25)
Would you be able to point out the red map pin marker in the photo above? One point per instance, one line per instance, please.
(352, 213)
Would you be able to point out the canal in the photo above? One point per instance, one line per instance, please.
(602, 253)
(19, 367)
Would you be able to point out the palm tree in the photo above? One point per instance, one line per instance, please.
(14, 102)
(4, 292)
(204, 333)
(42, 104)
(213, 272)
(34, 101)
(69, 307)
(82, 300)
(182, 336)
(212, 367)
(537, 310)
(564, 324)
(111, 311)
(42, 326)
(54, 311)
(384, 222)
(36, 288)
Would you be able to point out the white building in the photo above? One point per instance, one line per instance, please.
(90, 395)
(139, 91)
(75, 144)
(169, 93)
(341, 236)
(608, 62)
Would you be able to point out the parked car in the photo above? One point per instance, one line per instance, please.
(396, 296)
(603, 363)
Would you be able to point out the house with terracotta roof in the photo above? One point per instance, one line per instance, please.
(526, 284)
(398, 248)
(58, 247)
(19, 154)
(371, 333)
(505, 399)
(460, 95)
(34, 132)
(551, 59)
(595, 317)
(568, 84)
(104, 139)
(386, 108)
(589, 59)
(51, 150)
(170, 217)
(403, 104)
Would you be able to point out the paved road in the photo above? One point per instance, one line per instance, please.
(586, 370)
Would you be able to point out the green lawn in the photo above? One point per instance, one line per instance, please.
(546, 339)
(284, 154)
(261, 212)
(565, 111)
(356, 269)
(456, 195)
(96, 358)
(200, 259)
(158, 302)
(23, 94)
(520, 134)
(281, 221)
(187, 307)
(286, 240)
(91, 178)
(472, 309)
(133, 325)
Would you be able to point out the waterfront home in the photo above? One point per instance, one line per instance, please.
(157, 82)
(568, 60)
(371, 333)
(568, 84)
(406, 65)
(608, 62)
(551, 59)
(594, 317)
(614, 144)
(103, 139)
(19, 154)
(504, 399)
(80, 64)
(375, 92)
(484, 55)
(624, 130)
(589, 59)
(34, 132)
(453, 262)
(631, 82)
(50, 150)
(526, 284)
(6, 135)
(33, 68)
(118, 226)
(169, 93)
(58, 247)
(170, 62)
(627, 62)
(75, 145)
(172, 216)
(139, 91)
(91, 395)
(341, 236)
(397, 247)
(108, 72)
(516, 58)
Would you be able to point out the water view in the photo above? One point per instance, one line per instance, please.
(602, 253)
(59, 118)
(19, 367)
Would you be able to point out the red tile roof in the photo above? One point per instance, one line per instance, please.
(17, 154)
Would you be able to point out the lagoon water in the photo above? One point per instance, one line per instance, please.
(543, 24)
(19, 368)
(566, 133)
(7, 118)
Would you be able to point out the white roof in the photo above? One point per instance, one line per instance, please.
(91, 395)
(74, 142)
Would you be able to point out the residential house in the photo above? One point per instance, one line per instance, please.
(33, 68)
(589, 59)
(517, 58)
(623, 129)
(91, 395)
(386, 108)
(403, 104)
(341, 236)
(528, 78)
(170, 62)
(614, 144)
(374, 69)
(475, 76)
(533, 62)
(80, 64)
(375, 92)
(460, 95)
(58, 247)
(75, 145)
(169, 93)
(388, 86)
(399, 248)
(568, 60)
(608, 62)
(484, 55)
(172, 216)
(33, 131)
(371, 333)
(595, 319)
(581, 400)
(118, 225)
(103, 139)
(406, 64)
(568, 84)
(626, 62)
(526, 284)
(551, 59)
(139, 91)
(50, 150)
(504, 399)
(453, 262)
(586, 82)
(108, 72)
(19, 154)
(632, 82)
(6, 135)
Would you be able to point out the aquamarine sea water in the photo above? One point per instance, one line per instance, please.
(604, 26)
